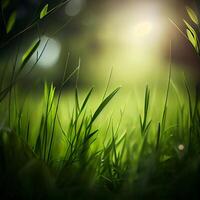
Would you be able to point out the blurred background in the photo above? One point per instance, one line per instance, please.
(130, 37)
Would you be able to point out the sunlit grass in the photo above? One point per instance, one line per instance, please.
(139, 141)
(115, 140)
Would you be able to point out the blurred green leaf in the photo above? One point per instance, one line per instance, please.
(27, 55)
(189, 27)
(192, 36)
(44, 11)
(192, 15)
(11, 22)
(192, 39)
(5, 3)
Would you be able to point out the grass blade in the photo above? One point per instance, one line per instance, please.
(103, 105)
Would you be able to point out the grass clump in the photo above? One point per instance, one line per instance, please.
(48, 151)
(79, 156)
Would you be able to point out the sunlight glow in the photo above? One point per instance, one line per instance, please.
(143, 28)
(133, 41)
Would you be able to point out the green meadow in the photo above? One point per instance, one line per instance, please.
(129, 131)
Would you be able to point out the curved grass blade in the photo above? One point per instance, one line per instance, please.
(103, 105)
(11, 22)
(86, 99)
(193, 39)
(27, 55)
(4, 4)
(192, 36)
(192, 15)
(44, 11)
(176, 26)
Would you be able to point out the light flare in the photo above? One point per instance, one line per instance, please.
(143, 28)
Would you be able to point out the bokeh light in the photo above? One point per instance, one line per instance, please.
(74, 7)
(51, 54)
(143, 28)
(132, 39)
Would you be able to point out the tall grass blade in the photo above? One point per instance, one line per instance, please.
(103, 105)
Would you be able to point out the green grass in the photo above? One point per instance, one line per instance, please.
(57, 146)
(89, 145)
